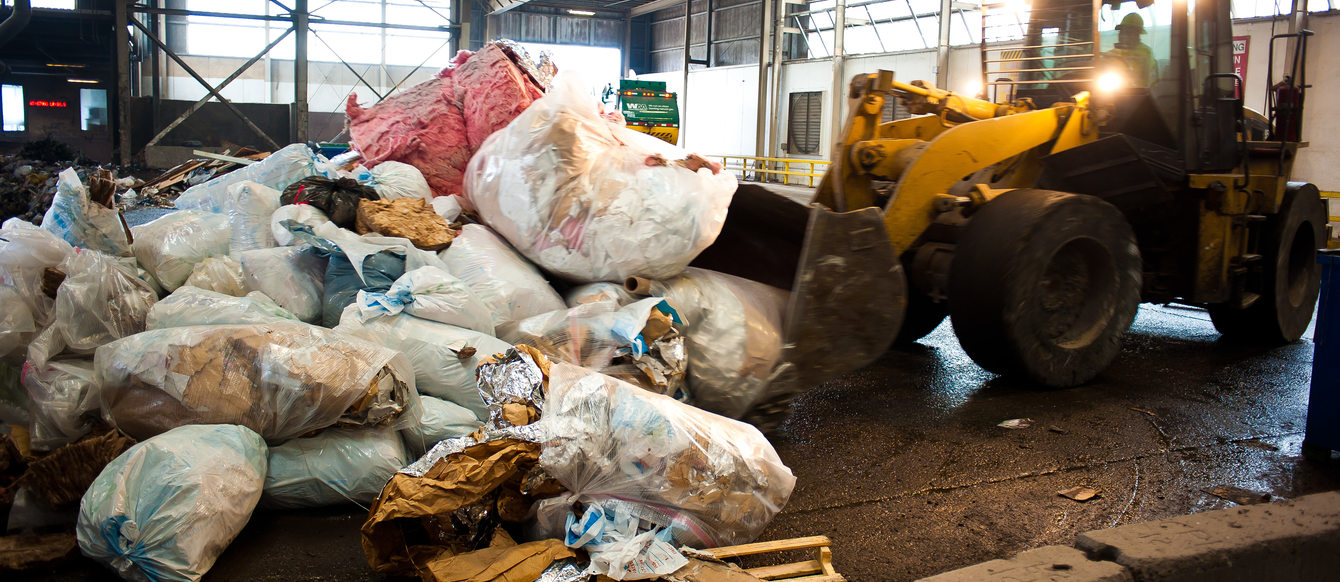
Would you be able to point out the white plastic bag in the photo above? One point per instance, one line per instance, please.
(218, 274)
(25, 252)
(440, 420)
(99, 301)
(590, 199)
(171, 246)
(357, 247)
(301, 213)
(293, 276)
(279, 169)
(397, 180)
(62, 392)
(192, 306)
(710, 480)
(434, 349)
(734, 335)
(429, 293)
(597, 292)
(511, 287)
(448, 207)
(16, 323)
(336, 466)
(166, 508)
(588, 335)
(73, 216)
(281, 380)
(249, 217)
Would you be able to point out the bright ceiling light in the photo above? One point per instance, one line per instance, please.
(85, 81)
(1110, 81)
(973, 88)
(581, 12)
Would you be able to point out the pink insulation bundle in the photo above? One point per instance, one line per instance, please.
(437, 125)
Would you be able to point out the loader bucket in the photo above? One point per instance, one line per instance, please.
(848, 290)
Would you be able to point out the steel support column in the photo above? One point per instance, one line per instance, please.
(779, 34)
(119, 19)
(839, 72)
(300, 29)
(463, 19)
(942, 44)
(761, 119)
(688, 60)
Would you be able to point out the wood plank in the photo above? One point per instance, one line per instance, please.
(787, 571)
(774, 546)
(819, 578)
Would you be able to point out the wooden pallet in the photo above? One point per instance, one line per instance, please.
(818, 569)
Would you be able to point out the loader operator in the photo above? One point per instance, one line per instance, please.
(1136, 55)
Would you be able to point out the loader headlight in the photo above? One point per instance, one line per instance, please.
(1110, 81)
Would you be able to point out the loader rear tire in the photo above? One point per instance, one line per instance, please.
(1292, 276)
(1044, 284)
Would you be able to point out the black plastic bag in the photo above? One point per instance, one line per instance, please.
(380, 270)
(337, 198)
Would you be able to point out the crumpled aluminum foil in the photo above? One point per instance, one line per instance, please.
(542, 70)
(441, 449)
(565, 570)
(515, 379)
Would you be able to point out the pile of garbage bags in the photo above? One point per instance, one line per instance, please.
(522, 367)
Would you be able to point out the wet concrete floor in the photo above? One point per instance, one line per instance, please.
(903, 465)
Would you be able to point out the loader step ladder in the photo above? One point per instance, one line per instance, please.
(818, 569)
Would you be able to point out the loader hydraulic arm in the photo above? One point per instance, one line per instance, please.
(925, 156)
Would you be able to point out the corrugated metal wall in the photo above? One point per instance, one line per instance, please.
(735, 30)
(548, 25)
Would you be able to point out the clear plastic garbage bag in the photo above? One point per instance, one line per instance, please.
(444, 356)
(193, 306)
(171, 246)
(282, 380)
(509, 286)
(166, 508)
(591, 200)
(333, 467)
(710, 480)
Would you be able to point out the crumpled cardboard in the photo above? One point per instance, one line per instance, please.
(706, 571)
(411, 218)
(61, 478)
(516, 563)
(394, 539)
(28, 552)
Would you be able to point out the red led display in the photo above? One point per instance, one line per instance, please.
(41, 103)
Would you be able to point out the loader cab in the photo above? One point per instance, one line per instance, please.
(1183, 104)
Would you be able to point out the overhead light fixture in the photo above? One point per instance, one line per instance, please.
(65, 66)
(85, 81)
(581, 12)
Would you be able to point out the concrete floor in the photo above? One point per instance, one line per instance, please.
(902, 463)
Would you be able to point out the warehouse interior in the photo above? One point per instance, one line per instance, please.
(644, 38)
(679, 290)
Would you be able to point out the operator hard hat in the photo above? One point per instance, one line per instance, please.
(1133, 20)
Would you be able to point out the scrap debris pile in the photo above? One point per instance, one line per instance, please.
(435, 325)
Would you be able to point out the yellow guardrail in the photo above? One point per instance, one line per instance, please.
(756, 169)
(1331, 243)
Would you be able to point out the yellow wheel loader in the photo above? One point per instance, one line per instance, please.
(1107, 168)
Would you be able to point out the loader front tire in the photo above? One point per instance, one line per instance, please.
(1044, 284)
(1292, 277)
